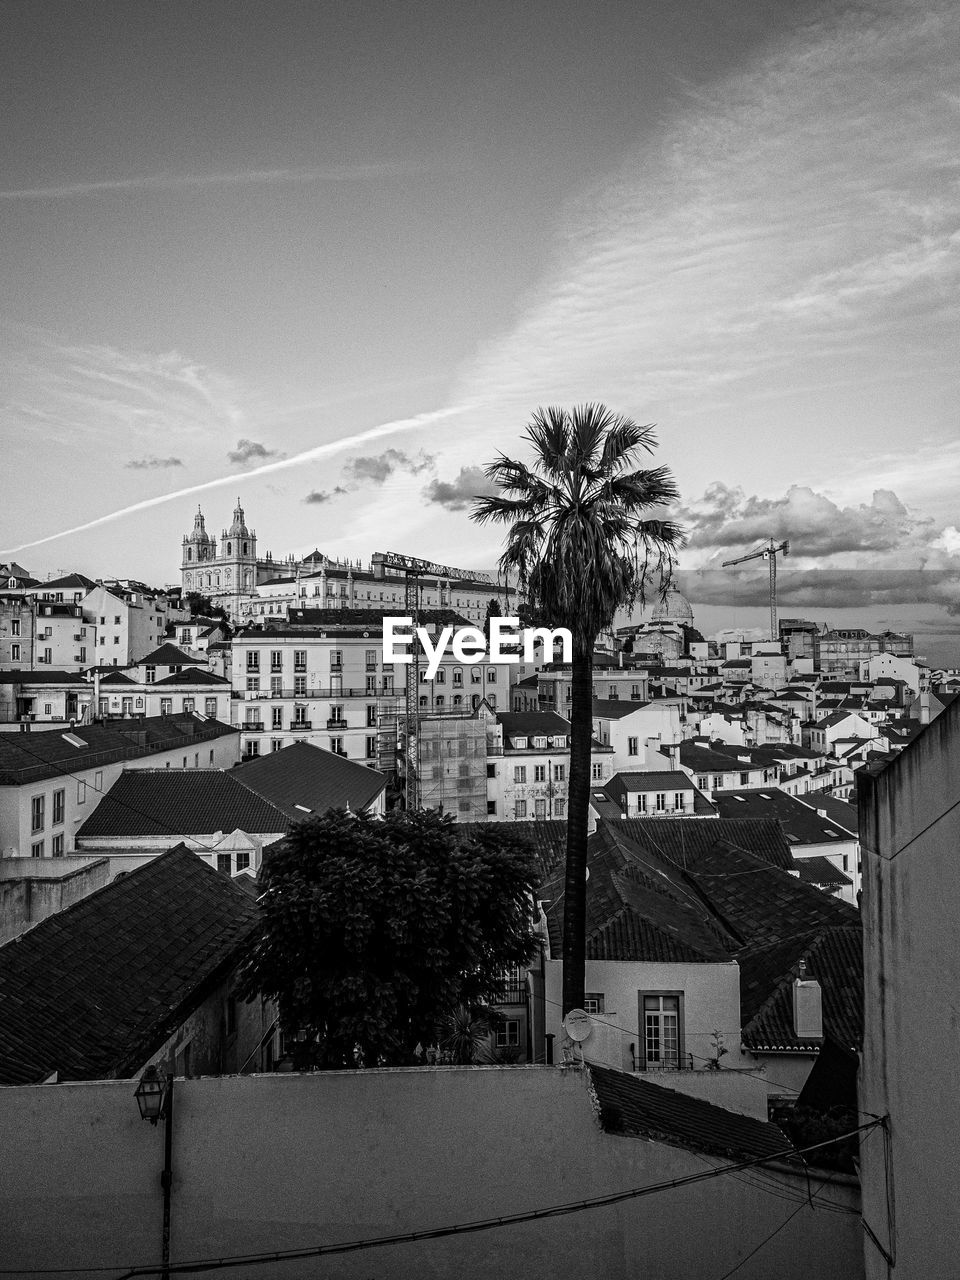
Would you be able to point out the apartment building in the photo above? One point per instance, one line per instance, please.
(330, 686)
(528, 766)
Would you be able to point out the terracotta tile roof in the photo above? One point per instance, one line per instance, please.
(820, 870)
(168, 655)
(32, 757)
(615, 708)
(192, 676)
(42, 677)
(628, 1105)
(93, 991)
(685, 841)
(180, 802)
(801, 823)
(833, 955)
(304, 777)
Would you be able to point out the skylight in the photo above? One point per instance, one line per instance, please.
(74, 740)
(303, 808)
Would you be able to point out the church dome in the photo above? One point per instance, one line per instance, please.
(674, 607)
(239, 527)
(199, 533)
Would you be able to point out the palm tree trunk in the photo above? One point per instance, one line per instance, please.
(575, 887)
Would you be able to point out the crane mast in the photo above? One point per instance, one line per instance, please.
(769, 551)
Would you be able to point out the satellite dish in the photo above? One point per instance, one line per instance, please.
(578, 1025)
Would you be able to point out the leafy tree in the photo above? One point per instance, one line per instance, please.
(375, 933)
(493, 611)
(201, 606)
(580, 543)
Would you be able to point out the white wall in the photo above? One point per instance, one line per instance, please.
(265, 1163)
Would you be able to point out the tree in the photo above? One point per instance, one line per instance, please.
(493, 611)
(375, 933)
(202, 606)
(581, 544)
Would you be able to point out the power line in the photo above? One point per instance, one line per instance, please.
(457, 1229)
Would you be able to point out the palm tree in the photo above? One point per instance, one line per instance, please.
(581, 545)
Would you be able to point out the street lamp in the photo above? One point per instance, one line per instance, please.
(154, 1095)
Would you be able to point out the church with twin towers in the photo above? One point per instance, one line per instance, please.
(250, 586)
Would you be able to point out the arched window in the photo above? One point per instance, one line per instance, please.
(189, 553)
(457, 699)
(229, 548)
(187, 581)
(423, 700)
(438, 700)
(245, 548)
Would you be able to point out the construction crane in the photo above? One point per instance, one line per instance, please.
(768, 552)
(412, 570)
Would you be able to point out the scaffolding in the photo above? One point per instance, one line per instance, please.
(453, 765)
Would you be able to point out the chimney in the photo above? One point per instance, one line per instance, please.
(807, 1007)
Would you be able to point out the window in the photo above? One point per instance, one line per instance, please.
(593, 1002)
(633, 746)
(559, 808)
(300, 659)
(37, 804)
(336, 745)
(492, 807)
(660, 1019)
(520, 809)
(371, 749)
(508, 1033)
(744, 779)
(58, 807)
(189, 706)
(476, 675)
(519, 773)
(276, 744)
(81, 792)
(661, 802)
(371, 715)
(702, 783)
(441, 676)
(48, 655)
(224, 863)
(718, 780)
(596, 772)
(539, 773)
(56, 846)
(559, 773)
(336, 711)
(116, 639)
(276, 659)
(371, 684)
(253, 747)
(14, 653)
(370, 659)
(36, 850)
(48, 707)
(299, 686)
(540, 809)
(15, 627)
(210, 707)
(458, 677)
(491, 675)
(491, 770)
(116, 619)
(678, 799)
(336, 659)
(540, 744)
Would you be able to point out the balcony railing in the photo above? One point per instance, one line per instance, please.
(335, 722)
(300, 724)
(331, 693)
(252, 726)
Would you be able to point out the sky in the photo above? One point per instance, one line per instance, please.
(329, 257)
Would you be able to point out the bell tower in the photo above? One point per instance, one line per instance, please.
(238, 561)
(199, 551)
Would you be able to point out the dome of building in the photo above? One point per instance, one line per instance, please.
(199, 534)
(674, 607)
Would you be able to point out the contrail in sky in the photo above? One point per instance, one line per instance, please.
(309, 455)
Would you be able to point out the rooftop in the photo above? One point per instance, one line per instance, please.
(33, 756)
(93, 991)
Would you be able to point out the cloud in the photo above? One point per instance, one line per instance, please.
(432, 419)
(378, 469)
(726, 518)
(457, 494)
(368, 172)
(788, 233)
(319, 496)
(153, 464)
(813, 589)
(250, 450)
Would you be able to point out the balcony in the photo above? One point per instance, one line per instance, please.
(252, 726)
(296, 725)
(336, 723)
